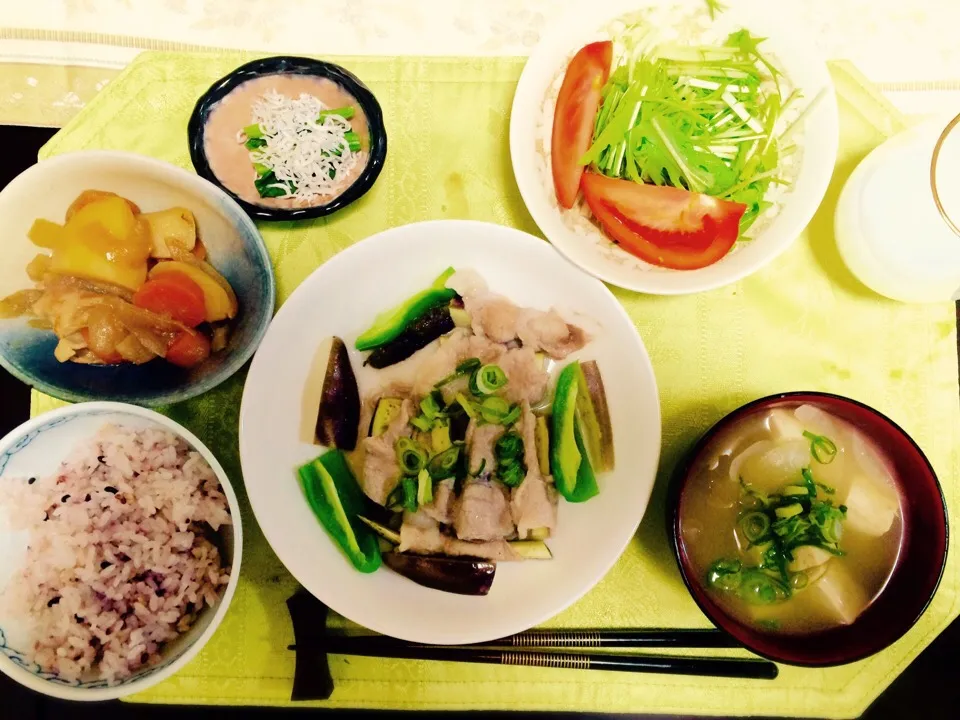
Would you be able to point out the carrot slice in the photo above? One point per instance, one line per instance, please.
(173, 294)
(189, 348)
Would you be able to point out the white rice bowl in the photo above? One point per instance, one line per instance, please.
(119, 550)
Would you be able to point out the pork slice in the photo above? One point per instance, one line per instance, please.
(444, 501)
(533, 503)
(526, 378)
(420, 534)
(456, 347)
(480, 440)
(483, 512)
(493, 316)
(381, 472)
(549, 333)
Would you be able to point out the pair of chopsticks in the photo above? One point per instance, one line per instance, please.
(534, 648)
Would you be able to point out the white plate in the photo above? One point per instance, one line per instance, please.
(593, 252)
(341, 298)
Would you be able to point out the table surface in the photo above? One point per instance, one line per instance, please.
(908, 49)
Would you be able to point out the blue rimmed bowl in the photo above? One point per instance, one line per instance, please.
(36, 449)
(234, 247)
(291, 65)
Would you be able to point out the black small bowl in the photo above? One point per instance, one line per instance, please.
(287, 65)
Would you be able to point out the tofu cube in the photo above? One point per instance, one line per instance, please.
(808, 556)
(839, 594)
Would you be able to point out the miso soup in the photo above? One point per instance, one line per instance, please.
(792, 520)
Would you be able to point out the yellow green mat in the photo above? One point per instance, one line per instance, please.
(801, 323)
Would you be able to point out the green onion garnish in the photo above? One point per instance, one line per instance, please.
(444, 465)
(822, 448)
(494, 409)
(755, 527)
(465, 368)
(487, 379)
(467, 406)
(253, 131)
(409, 485)
(410, 456)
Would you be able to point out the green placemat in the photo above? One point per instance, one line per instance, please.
(801, 323)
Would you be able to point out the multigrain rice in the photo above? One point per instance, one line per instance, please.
(122, 554)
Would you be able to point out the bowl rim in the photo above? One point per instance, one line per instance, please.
(198, 186)
(64, 692)
(682, 474)
(291, 65)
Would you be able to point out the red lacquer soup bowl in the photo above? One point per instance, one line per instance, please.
(915, 575)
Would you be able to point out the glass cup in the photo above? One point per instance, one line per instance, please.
(898, 218)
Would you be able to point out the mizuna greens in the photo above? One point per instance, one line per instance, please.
(701, 118)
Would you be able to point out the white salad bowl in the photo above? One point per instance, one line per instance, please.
(341, 298)
(35, 449)
(817, 139)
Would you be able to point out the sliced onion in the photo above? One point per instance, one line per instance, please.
(132, 350)
(19, 303)
(104, 331)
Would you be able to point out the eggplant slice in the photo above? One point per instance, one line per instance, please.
(463, 576)
(434, 323)
(338, 418)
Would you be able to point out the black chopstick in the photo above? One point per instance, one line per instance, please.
(671, 664)
(591, 638)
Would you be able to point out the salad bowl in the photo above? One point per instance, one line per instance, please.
(806, 169)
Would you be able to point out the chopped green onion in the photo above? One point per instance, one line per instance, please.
(261, 169)
(494, 409)
(253, 131)
(509, 446)
(430, 406)
(410, 456)
(788, 511)
(822, 448)
(464, 368)
(755, 527)
(487, 379)
(409, 486)
(444, 465)
(511, 417)
(512, 475)
(422, 423)
(254, 143)
(791, 490)
(467, 406)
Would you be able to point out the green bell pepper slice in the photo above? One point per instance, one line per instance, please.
(390, 323)
(337, 501)
(569, 462)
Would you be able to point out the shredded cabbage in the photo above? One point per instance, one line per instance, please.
(703, 118)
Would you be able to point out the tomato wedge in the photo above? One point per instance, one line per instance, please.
(661, 225)
(575, 116)
(189, 348)
(173, 294)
